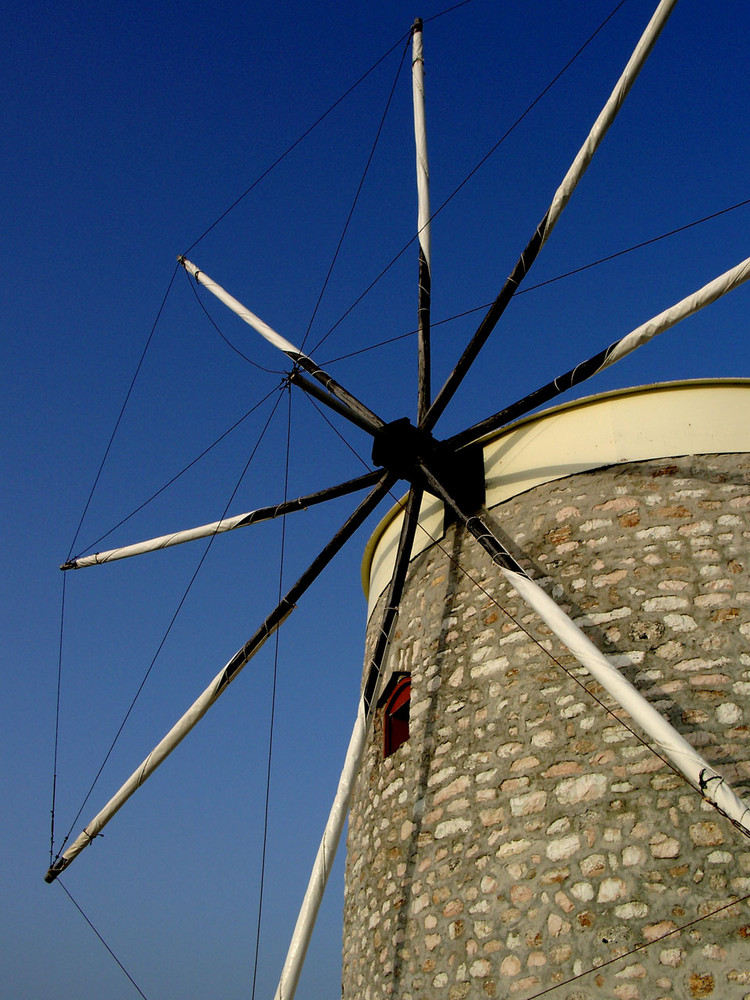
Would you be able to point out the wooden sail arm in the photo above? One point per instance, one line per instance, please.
(551, 217)
(222, 680)
(335, 404)
(358, 742)
(355, 752)
(281, 343)
(641, 335)
(226, 523)
(423, 223)
(681, 755)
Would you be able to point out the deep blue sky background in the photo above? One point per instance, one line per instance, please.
(126, 131)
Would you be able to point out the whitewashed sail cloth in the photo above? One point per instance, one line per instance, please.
(684, 757)
(420, 136)
(726, 282)
(160, 752)
(323, 860)
(163, 541)
(608, 114)
(267, 332)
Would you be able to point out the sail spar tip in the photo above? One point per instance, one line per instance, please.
(54, 870)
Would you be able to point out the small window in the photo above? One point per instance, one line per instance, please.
(396, 716)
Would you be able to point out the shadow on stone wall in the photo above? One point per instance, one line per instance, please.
(422, 766)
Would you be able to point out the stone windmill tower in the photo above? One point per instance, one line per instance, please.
(510, 831)
(517, 832)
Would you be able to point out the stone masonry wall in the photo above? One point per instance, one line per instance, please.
(523, 836)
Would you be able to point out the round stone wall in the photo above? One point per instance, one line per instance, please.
(524, 841)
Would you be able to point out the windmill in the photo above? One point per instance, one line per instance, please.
(447, 469)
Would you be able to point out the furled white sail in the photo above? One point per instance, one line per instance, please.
(685, 758)
(692, 303)
(608, 113)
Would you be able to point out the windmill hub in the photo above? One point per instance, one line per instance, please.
(401, 448)
(399, 445)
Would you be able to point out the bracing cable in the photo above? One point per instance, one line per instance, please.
(511, 128)
(86, 506)
(171, 624)
(273, 699)
(542, 284)
(311, 128)
(57, 722)
(293, 146)
(357, 193)
(338, 433)
(122, 409)
(227, 341)
(448, 10)
(99, 935)
(640, 947)
(182, 472)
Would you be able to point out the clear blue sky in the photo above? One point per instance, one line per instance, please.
(127, 130)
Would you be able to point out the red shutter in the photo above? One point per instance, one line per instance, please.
(396, 717)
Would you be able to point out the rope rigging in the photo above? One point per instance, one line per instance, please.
(274, 678)
(383, 487)
(99, 935)
(200, 456)
(57, 723)
(395, 339)
(356, 196)
(543, 284)
(318, 121)
(471, 173)
(181, 473)
(163, 640)
(255, 183)
(227, 341)
(294, 145)
(118, 421)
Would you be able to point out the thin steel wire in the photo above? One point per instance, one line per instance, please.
(357, 193)
(472, 172)
(179, 607)
(548, 281)
(273, 699)
(101, 938)
(122, 410)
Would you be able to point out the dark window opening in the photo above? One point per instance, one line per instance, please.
(396, 717)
